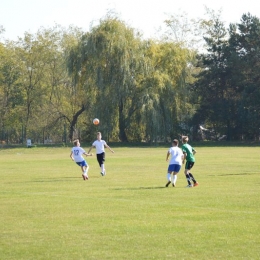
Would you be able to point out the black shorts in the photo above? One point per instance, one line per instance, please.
(100, 158)
(189, 165)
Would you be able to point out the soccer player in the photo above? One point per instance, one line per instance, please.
(189, 153)
(175, 162)
(77, 156)
(100, 145)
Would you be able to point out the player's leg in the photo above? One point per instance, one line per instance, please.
(168, 176)
(86, 171)
(195, 183)
(100, 159)
(103, 170)
(84, 167)
(168, 179)
(175, 172)
(83, 171)
(174, 179)
(186, 172)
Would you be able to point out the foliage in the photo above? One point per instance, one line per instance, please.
(228, 86)
(53, 83)
(137, 80)
(36, 87)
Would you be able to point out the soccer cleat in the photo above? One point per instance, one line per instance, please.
(173, 185)
(84, 177)
(167, 184)
(102, 173)
(195, 184)
(189, 186)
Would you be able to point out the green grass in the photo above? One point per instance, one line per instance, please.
(49, 212)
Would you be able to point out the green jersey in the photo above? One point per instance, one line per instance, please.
(186, 148)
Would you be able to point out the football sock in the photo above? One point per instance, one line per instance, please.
(102, 167)
(174, 179)
(188, 179)
(193, 179)
(168, 177)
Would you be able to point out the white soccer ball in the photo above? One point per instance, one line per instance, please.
(95, 121)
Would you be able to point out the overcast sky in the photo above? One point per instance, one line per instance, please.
(19, 16)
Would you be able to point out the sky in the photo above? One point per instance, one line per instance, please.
(20, 16)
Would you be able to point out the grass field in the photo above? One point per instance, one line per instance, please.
(49, 212)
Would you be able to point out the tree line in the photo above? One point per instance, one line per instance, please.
(53, 83)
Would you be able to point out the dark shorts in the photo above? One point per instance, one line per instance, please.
(101, 158)
(83, 163)
(174, 168)
(189, 165)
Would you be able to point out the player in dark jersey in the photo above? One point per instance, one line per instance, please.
(189, 153)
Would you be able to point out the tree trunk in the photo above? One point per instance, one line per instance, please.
(122, 133)
(74, 121)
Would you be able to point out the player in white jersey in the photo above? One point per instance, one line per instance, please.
(175, 162)
(77, 156)
(100, 145)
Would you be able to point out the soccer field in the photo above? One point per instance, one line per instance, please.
(49, 212)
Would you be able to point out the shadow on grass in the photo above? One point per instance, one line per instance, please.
(55, 179)
(141, 188)
(235, 174)
(62, 179)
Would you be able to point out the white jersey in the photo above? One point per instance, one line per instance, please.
(100, 146)
(176, 155)
(78, 153)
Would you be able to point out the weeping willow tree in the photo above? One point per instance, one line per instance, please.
(135, 84)
(164, 110)
(111, 63)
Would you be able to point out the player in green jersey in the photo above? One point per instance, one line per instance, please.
(189, 153)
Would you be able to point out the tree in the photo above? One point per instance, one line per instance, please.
(188, 34)
(213, 85)
(228, 85)
(164, 104)
(46, 84)
(11, 96)
(111, 65)
(64, 97)
(244, 59)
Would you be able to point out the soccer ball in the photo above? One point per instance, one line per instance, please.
(95, 121)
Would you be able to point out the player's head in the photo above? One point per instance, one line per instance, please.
(99, 135)
(175, 142)
(76, 142)
(185, 139)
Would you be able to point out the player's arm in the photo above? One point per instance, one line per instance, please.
(88, 154)
(107, 146)
(71, 156)
(184, 157)
(167, 156)
(90, 149)
(194, 151)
